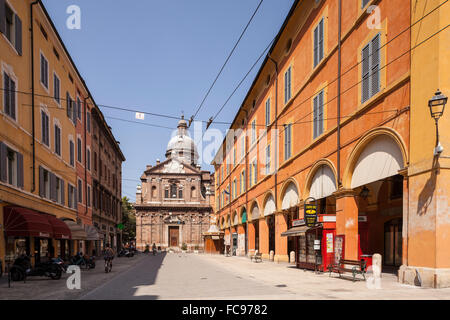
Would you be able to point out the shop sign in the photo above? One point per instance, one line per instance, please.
(310, 215)
(297, 223)
(316, 244)
(65, 237)
(44, 235)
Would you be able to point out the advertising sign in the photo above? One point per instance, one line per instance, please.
(310, 215)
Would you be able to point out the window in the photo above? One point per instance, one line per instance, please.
(88, 121)
(221, 175)
(79, 155)
(44, 71)
(234, 157)
(45, 130)
(243, 146)
(72, 153)
(88, 159)
(95, 161)
(318, 43)
(253, 131)
(180, 193)
(371, 69)
(253, 173)
(287, 85)
(56, 89)
(80, 191)
(233, 189)
(243, 182)
(72, 197)
(318, 115)
(11, 27)
(44, 183)
(173, 190)
(57, 140)
(166, 193)
(79, 108)
(268, 112)
(12, 163)
(396, 187)
(59, 191)
(9, 96)
(268, 159)
(287, 141)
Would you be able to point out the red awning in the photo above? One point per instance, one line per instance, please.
(22, 222)
(60, 229)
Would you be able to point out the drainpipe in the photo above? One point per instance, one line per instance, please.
(339, 97)
(85, 155)
(32, 96)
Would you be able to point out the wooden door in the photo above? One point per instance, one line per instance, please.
(173, 236)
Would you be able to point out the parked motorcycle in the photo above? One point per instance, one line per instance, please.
(22, 268)
(79, 260)
(60, 263)
(125, 253)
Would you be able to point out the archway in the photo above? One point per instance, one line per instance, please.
(289, 201)
(269, 210)
(255, 214)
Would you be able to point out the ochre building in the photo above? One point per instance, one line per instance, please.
(338, 117)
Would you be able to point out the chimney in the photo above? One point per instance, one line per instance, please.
(149, 167)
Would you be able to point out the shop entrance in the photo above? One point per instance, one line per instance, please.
(393, 243)
(234, 243)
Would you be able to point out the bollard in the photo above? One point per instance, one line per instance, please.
(376, 265)
(292, 257)
(271, 255)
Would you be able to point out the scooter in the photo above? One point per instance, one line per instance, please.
(22, 269)
(60, 263)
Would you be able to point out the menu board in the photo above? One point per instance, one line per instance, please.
(339, 248)
(329, 242)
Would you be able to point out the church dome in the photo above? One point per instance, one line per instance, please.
(181, 147)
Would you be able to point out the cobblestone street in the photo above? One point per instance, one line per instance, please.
(172, 276)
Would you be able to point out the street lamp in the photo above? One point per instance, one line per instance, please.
(437, 107)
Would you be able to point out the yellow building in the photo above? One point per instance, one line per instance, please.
(38, 135)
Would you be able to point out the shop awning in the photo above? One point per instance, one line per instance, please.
(298, 231)
(22, 222)
(60, 229)
(77, 231)
(244, 216)
(92, 233)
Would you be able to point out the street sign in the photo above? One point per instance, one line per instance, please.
(310, 215)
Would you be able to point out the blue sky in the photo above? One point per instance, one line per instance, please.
(162, 56)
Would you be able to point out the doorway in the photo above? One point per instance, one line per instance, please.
(234, 243)
(174, 236)
(393, 243)
(271, 225)
(256, 226)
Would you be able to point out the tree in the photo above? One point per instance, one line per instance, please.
(128, 221)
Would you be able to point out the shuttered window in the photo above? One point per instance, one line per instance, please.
(11, 166)
(56, 89)
(11, 26)
(287, 141)
(72, 153)
(46, 181)
(318, 115)
(80, 191)
(268, 112)
(88, 121)
(287, 85)
(318, 43)
(79, 146)
(253, 131)
(370, 69)
(79, 108)
(9, 96)
(44, 71)
(45, 130)
(57, 140)
(268, 159)
(88, 159)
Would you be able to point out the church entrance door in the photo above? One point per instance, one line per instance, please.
(173, 236)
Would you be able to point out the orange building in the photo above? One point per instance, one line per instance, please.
(329, 120)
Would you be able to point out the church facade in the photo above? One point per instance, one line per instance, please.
(173, 201)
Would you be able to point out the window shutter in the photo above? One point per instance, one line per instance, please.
(75, 195)
(7, 94)
(74, 111)
(12, 99)
(3, 155)
(320, 54)
(2, 17)
(41, 182)
(68, 104)
(63, 201)
(316, 46)
(315, 120)
(69, 198)
(290, 83)
(20, 183)
(18, 24)
(52, 187)
(321, 119)
(375, 79)
(365, 94)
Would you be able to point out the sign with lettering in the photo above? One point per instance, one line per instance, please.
(310, 215)
(297, 223)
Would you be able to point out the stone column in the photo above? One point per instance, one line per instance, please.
(264, 238)
(347, 221)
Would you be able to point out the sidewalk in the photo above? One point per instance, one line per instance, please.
(43, 288)
(303, 284)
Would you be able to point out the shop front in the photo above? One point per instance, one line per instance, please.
(92, 237)
(79, 237)
(213, 240)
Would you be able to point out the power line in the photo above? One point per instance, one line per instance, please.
(225, 63)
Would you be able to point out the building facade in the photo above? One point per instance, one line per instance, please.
(335, 118)
(173, 202)
(45, 142)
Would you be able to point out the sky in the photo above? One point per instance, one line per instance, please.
(162, 57)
